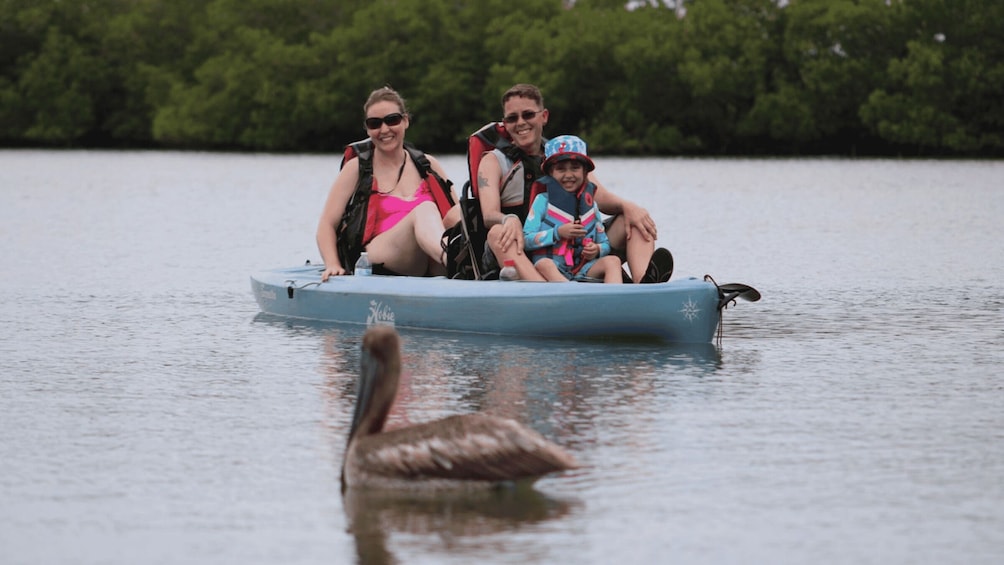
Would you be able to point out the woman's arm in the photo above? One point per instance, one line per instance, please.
(434, 163)
(327, 226)
(453, 215)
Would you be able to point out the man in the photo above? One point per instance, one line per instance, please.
(503, 178)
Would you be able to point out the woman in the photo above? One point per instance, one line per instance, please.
(404, 223)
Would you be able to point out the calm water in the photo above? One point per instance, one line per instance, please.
(149, 414)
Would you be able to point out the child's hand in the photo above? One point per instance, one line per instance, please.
(571, 231)
(590, 250)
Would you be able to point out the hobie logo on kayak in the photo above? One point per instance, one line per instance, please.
(690, 310)
(380, 313)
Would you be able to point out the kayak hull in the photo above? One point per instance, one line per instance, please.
(684, 310)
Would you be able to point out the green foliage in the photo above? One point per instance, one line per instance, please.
(255, 95)
(943, 93)
(60, 89)
(642, 120)
(640, 77)
(834, 53)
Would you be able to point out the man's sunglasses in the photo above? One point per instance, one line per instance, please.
(389, 119)
(527, 115)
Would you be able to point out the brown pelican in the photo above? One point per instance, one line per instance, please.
(470, 450)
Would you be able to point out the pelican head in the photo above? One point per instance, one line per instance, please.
(380, 372)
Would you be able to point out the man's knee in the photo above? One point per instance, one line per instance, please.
(494, 238)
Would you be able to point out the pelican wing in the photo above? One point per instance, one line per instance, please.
(475, 447)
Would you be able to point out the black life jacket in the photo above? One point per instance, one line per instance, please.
(358, 226)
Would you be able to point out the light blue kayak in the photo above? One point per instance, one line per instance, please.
(683, 310)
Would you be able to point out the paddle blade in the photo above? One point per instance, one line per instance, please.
(740, 290)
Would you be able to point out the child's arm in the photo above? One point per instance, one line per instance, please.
(534, 237)
(600, 235)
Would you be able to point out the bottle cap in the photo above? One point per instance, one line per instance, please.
(509, 263)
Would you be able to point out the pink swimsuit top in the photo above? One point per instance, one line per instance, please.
(390, 209)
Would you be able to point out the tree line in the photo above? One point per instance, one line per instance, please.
(650, 77)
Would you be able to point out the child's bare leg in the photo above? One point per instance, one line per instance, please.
(549, 271)
(609, 268)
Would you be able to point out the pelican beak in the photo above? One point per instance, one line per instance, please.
(370, 368)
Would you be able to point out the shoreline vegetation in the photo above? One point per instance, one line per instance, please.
(910, 78)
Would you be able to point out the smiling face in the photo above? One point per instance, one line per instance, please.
(569, 173)
(526, 133)
(387, 136)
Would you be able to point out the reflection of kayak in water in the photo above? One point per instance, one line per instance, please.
(682, 310)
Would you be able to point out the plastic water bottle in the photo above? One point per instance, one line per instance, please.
(508, 272)
(363, 266)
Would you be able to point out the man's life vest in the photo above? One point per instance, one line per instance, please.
(493, 136)
(358, 226)
(466, 242)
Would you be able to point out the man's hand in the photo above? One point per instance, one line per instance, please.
(638, 218)
(511, 233)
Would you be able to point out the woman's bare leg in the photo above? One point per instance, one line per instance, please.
(429, 230)
(408, 247)
(452, 217)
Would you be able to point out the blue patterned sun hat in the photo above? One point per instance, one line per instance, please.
(565, 147)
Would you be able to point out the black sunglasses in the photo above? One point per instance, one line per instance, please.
(526, 114)
(389, 119)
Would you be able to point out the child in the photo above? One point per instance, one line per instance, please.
(564, 232)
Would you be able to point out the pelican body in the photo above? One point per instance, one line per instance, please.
(464, 451)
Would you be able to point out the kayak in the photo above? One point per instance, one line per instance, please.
(684, 310)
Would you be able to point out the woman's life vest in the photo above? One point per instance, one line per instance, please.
(358, 225)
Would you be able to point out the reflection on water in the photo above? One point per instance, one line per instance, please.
(554, 386)
(561, 388)
(375, 516)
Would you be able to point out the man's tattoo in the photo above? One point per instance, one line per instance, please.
(482, 181)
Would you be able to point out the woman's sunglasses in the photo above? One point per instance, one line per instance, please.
(389, 119)
(527, 115)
